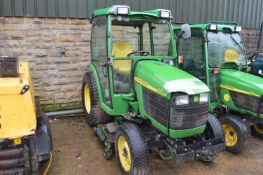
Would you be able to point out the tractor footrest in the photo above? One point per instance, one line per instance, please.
(198, 150)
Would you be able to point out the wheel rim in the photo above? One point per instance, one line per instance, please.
(87, 98)
(230, 135)
(258, 128)
(124, 153)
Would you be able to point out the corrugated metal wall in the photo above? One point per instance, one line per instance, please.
(248, 13)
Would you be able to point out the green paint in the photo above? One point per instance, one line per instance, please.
(150, 72)
(231, 75)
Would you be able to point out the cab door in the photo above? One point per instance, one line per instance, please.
(99, 55)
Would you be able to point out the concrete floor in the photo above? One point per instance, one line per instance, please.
(77, 151)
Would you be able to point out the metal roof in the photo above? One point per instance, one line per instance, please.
(247, 13)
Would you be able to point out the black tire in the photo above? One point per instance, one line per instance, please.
(213, 130)
(241, 130)
(96, 115)
(257, 130)
(138, 147)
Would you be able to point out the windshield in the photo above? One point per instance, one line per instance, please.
(135, 36)
(225, 47)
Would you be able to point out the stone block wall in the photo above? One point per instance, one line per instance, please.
(57, 76)
(41, 41)
(250, 37)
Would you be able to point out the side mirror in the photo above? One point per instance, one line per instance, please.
(186, 31)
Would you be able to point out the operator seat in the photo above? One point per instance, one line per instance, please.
(121, 49)
(121, 68)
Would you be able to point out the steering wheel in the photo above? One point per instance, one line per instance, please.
(141, 52)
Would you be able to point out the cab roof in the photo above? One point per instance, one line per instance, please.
(219, 26)
(108, 11)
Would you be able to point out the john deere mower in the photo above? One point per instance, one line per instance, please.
(215, 54)
(256, 58)
(136, 102)
(25, 137)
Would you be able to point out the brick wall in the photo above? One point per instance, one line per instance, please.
(250, 37)
(56, 76)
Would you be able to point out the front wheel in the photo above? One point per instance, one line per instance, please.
(213, 130)
(237, 134)
(257, 130)
(131, 150)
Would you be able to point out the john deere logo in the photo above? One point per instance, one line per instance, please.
(226, 97)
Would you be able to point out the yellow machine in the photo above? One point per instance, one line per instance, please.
(25, 137)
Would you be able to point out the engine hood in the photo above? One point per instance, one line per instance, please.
(165, 79)
(242, 82)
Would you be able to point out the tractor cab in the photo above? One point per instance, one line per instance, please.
(215, 53)
(136, 99)
(120, 38)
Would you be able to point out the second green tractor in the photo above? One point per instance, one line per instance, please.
(215, 54)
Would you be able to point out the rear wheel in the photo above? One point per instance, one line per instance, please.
(131, 150)
(90, 101)
(236, 134)
(257, 130)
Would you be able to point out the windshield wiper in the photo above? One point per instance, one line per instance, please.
(238, 44)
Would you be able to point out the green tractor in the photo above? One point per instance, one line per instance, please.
(215, 54)
(138, 103)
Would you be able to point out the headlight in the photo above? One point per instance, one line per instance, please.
(120, 9)
(212, 27)
(123, 10)
(182, 100)
(203, 98)
(165, 13)
(238, 28)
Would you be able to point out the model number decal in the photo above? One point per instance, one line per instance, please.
(145, 84)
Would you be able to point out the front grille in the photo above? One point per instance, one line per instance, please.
(156, 106)
(175, 117)
(244, 101)
(188, 116)
(8, 67)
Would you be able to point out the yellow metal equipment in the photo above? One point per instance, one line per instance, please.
(18, 114)
(25, 137)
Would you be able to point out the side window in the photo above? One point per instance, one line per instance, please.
(161, 39)
(99, 54)
(192, 51)
(98, 42)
